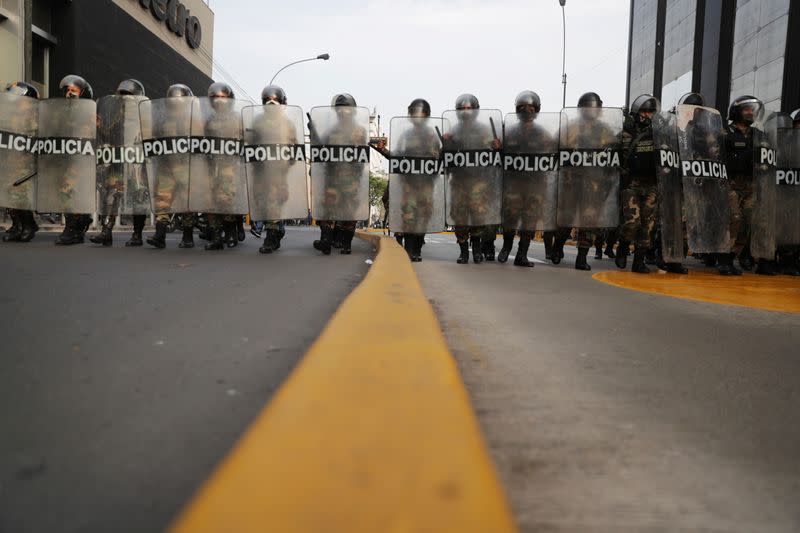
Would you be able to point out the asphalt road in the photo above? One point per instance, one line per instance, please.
(608, 410)
(126, 374)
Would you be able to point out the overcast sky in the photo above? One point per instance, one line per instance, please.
(388, 52)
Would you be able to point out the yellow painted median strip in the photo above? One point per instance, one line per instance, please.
(373, 431)
(772, 293)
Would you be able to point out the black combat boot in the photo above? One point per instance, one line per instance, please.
(598, 249)
(159, 238)
(709, 260)
(347, 240)
(580, 262)
(336, 237)
(610, 250)
(105, 237)
(521, 259)
(419, 240)
(487, 248)
(623, 249)
(29, 226)
(639, 265)
(324, 242)
(675, 268)
(508, 243)
(558, 250)
(270, 242)
(215, 238)
(73, 231)
(138, 227)
(280, 233)
(726, 267)
(650, 256)
(13, 233)
(746, 260)
(765, 268)
(240, 234)
(399, 238)
(187, 241)
(788, 264)
(547, 239)
(477, 255)
(231, 233)
(409, 245)
(463, 259)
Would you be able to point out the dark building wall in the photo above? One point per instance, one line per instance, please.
(105, 45)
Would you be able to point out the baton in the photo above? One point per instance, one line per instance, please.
(494, 130)
(439, 134)
(23, 180)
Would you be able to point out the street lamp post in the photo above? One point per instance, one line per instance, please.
(324, 57)
(564, 50)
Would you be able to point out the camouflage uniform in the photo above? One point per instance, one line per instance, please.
(739, 148)
(639, 194)
(171, 182)
(270, 185)
(416, 199)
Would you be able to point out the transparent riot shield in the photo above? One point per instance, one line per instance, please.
(530, 171)
(705, 178)
(670, 186)
(275, 162)
(122, 186)
(473, 166)
(217, 180)
(339, 163)
(762, 220)
(67, 158)
(416, 183)
(787, 184)
(165, 124)
(19, 116)
(589, 166)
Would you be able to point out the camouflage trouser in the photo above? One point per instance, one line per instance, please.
(470, 199)
(346, 225)
(270, 194)
(463, 233)
(522, 204)
(167, 189)
(741, 201)
(639, 206)
(187, 219)
(584, 238)
(416, 204)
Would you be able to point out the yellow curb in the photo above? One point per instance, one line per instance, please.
(772, 293)
(373, 431)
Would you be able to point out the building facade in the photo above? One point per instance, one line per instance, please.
(158, 42)
(719, 48)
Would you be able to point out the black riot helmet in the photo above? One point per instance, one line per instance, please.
(220, 90)
(746, 109)
(131, 87)
(179, 89)
(795, 117)
(646, 103)
(467, 101)
(272, 94)
(590, 100)
(20, 88)
(343, 100)
(528, 98)
(419, 108)
(692, 99)
(73, 86)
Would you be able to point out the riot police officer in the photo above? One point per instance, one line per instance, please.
(112, 189)
(525, 195)
(23, 225)
(742, 113)
(75, 225)
(171, 181)
(639, 193)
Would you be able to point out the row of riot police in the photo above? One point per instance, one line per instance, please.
(680, 180)
(180, 155)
